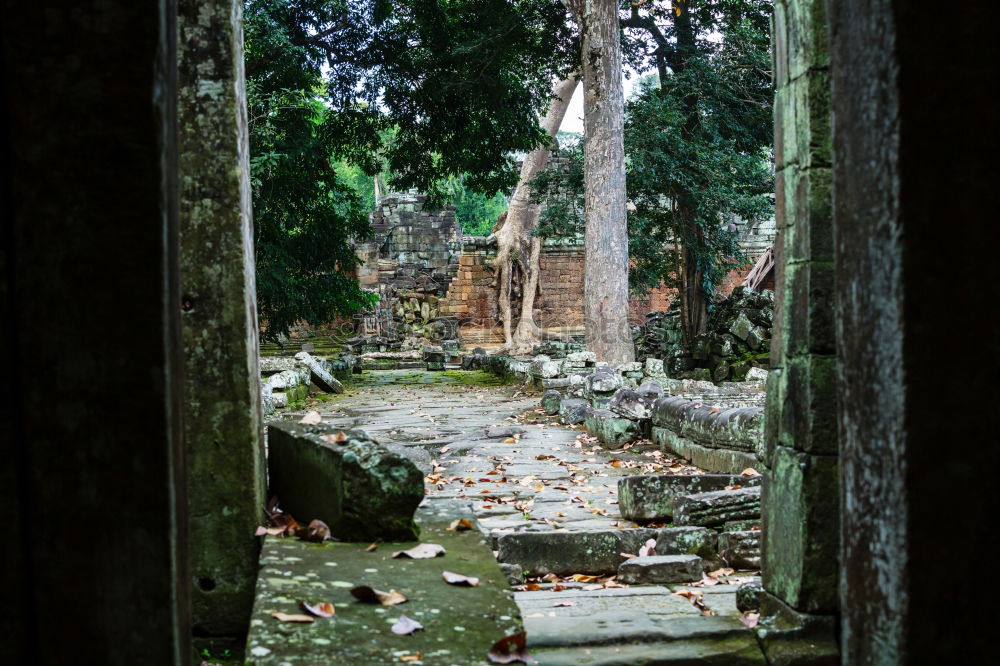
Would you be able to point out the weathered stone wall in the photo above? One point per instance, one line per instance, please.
(801, 486)
(410, 263)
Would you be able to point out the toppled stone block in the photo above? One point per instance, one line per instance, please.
(660, 569)
(741, 550)
(654, 367)
(270, 365)
(319, 375)
(279, 400)
(714, 427)
(635, 403)
(543, 367)
(647, 497)
(631, 366)
(283, 380)
(555, 383)
(573, 410)
(603, 382)
(715, 508)
(353, 484)
(748, 597)
(611, 429)
(435, 359)
(514, 573)
(266, 399)
(582, 357)
(757, 375)
(550, 402)
(651, 390)
(598, 551)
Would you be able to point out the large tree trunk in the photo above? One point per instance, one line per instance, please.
(605, 284)
(518, 251)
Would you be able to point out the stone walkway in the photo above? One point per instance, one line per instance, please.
(545, 494)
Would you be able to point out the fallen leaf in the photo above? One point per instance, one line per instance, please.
(724, 571)
(405, 626)
(316, 532)
(444, 449)
(372, 548)
(749, 471)
(335, 438)
(532, 587)
(733, 487)
(421, 551)
(584, 578)
(510, 440)
(551, 578)
(453, 578)
(312, 417)
(370, 595)
(750, 619)
(460, 525)
(649, 549)
(411, 657)
(292, 617)
(627, 556)
(561, 604)
(322, 609)
(510, 650)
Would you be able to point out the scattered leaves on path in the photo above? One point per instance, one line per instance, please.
(405, 626)
(370, 595)
(511, 650)
(292, 617)
(421, 551)
(322, 609)
(453, 578)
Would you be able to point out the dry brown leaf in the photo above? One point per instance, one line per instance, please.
(411, 657)
(649, 549)
(453, 578)
(316, 532)
(322, 609)
(460, 525)
(421, 551)
(370, 595)
(510, 650)
(293, 617)
(335, 438)
(749, 471)
(311, 417)
(551, 578)
(584, 578)
(372, 548)
(510, 440)
(561, 604)
(628, 556)
(750, 619)
(532, 587)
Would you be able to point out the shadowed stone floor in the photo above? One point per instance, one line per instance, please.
(484, 445)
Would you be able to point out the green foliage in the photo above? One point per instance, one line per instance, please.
(475, 212)
(339, 90)
(697, 142)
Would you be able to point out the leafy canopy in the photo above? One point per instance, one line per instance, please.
(429, 90)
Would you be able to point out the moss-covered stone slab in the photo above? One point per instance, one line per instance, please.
(460, 623)
(352, 483)
(646, 497)
(597, 551)
(715, 508)
(611, 429)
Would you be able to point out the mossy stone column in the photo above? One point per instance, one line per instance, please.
(800, 502)
(222, 421)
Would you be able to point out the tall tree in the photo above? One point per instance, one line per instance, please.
(698, 141)
(606, 270)
(518, 250)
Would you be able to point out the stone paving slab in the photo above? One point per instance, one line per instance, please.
(460, 623)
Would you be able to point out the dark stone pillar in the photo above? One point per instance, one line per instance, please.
(91, 489)
(800, 502)
(916, 192)
(222, 423)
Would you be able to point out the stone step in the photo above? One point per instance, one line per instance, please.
(718, 507)
(660, 569)
(611, 429)
(597, 551)
(741, 550)
(648, 497)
